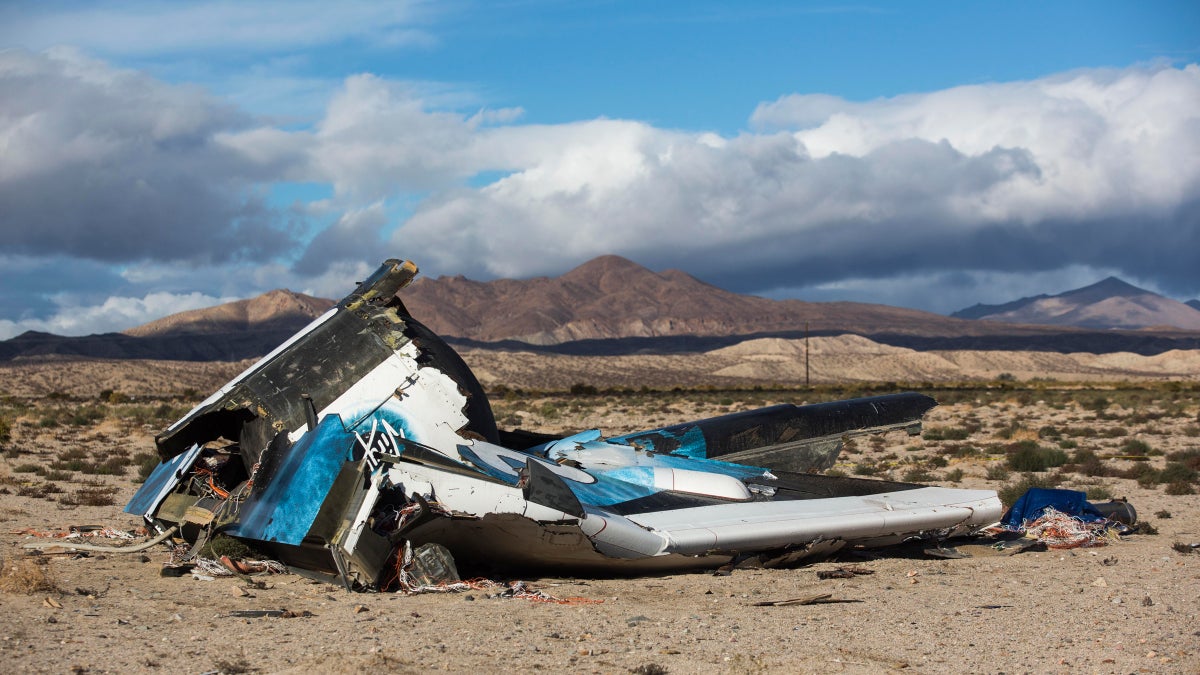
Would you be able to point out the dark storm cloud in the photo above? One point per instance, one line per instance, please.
(112, 165)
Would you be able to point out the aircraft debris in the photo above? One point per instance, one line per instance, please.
(365, 437)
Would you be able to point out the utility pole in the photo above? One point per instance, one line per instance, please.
(807, 382)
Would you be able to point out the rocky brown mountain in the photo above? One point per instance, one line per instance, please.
(611, 297)
(280, 308)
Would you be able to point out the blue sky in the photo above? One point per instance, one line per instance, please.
(165, 156)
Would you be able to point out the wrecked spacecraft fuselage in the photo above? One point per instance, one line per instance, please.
(365, 433)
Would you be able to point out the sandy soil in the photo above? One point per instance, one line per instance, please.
(1128, 607)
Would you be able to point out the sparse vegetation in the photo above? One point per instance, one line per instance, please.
(27, 575)
(997, 472)
(946, 434)
(1029, 456)
(1011, 493)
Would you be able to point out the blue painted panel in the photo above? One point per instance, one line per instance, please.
(285, 509)
(161, 481)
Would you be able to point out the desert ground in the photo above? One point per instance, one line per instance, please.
(77, 435)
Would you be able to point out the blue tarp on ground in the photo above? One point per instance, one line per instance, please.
(1033, 503)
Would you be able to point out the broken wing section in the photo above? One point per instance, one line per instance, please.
(787, 437)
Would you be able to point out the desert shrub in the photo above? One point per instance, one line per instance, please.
(938, 461)
(1086, 462)
(1178, 488)
(581, 389)
(866, 469)
(69, 465)
(946, 434)
(1098, 492)
(1144, 474)
(5, 431)
(1191, 431)
(963, 451)
(1035, 458)
(87, 416)
(27, 468)
(1135, 446)
(1177, 472)
(1190, 457)
(1011, 493)
(1049, 431)
(1068, 444)
(146, 463)
(997, 472)
(27, 575)
(837, 473)
(919, 474)
(954, 475)
(38, 490)
(113, 466)
(90, 496)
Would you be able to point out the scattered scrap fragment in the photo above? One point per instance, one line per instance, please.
(819, 599)
(843, 573)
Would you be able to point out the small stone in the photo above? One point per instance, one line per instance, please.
(359, 609)
(469, 598)
(1100, 583)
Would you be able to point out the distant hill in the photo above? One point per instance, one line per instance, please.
(278, 309)
(229, 332)
(1194, 304)
(1107, 304)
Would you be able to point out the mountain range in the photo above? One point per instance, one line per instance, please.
(611, 305)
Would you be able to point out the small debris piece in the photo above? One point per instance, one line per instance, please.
(843, 573)
(1108, 562)
(272, 613)
(302, 614)
(1147, 602)
(1183, 548)
(359, 609)
(835, 574)
(172, 570)
(52, 603)
(1100, 583)
(821, 598)
(945, 552)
